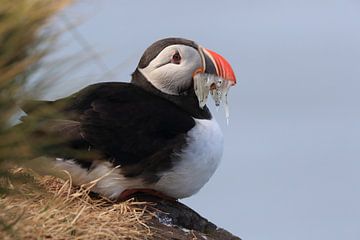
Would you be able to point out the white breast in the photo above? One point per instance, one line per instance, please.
(197, 163)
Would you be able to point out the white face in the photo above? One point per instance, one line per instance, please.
(172, 69)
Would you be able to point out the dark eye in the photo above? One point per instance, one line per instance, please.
(176, 58)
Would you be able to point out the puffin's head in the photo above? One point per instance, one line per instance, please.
(170, 64)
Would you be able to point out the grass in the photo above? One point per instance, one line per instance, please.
(44, 207)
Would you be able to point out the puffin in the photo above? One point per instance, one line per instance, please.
(149, 135)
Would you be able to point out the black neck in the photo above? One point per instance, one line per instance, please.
(186, 101)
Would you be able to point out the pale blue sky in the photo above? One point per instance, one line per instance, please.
(292, 150)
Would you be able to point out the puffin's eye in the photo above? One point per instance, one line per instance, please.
(176, 58)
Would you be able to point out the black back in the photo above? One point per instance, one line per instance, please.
(122, 123)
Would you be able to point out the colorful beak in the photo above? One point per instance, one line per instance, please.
(217, 64)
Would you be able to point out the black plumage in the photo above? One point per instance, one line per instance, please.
(122, 123)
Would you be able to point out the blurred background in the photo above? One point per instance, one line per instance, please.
(292, 150)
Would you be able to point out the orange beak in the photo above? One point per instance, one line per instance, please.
(222, 66)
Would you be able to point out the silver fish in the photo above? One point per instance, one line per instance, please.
(218, 88)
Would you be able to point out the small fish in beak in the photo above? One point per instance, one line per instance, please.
(205, 83)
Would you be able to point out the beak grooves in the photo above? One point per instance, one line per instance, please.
(223, 67)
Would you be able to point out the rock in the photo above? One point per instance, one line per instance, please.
(174, 220)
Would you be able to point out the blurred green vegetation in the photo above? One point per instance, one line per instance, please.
(25, 39)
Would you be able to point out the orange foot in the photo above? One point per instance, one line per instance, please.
(128, 193)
